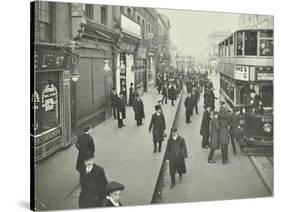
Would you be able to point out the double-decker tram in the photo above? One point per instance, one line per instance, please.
(246, 83)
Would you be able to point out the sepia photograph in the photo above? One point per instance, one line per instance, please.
(136, 106)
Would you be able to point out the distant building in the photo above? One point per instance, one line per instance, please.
(212, 45)
(256, 21)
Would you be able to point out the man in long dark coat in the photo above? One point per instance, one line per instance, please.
(235, 130)
(121, 110)
(212, 99)
(204, 129)
(92, 182)
(194, 100)
(173, 94)
(214, 136)
(176, 155)
(159, 125)
(224, 116)
(132, 94)
(85, 146)
(139, 110)
(113, 102)
(188, 108)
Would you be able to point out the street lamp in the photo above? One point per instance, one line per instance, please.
(106, 69)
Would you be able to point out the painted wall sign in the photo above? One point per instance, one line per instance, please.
(41, 139)
(49, 97)
(265, 76)
(130, 27)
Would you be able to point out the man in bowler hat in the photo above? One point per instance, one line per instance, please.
(85, 145)
(92, 182)
(121, 110)
(139, 110)
(114, 193)
(159, 125)
(176, 155)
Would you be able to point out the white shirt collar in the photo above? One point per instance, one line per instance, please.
(175, 137)
(89, 169)
(116, 204)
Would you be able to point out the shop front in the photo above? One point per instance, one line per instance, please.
(151, 69)
(50, 101)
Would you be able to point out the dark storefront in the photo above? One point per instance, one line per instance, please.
(50, 100)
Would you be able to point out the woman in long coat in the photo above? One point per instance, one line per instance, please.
(214, 136)
(139, 110)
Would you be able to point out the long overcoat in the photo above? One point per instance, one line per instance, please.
(214, 133)
(234, 123)
(121, 109)
(173, 93)
(159, 125)
(188, 105)
(205, 124)
(85, 145)
(93, 189)
(138, 109)
(224, 116)
(176, 153)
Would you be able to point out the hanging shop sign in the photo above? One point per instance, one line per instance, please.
(49, 97)
(241, 73)
(130, 27)
(50, 58)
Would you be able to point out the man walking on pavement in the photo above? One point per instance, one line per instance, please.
(214, 136)
(85, 145)
(159, 125)
(92, 182)
(173, 94)
(224, 116)
(235, 130)
(188, 108)
(113, 102)
(204, 129)
(139, 110)
(176, 155)
(121, 110)
(165, 93)
(194, 99)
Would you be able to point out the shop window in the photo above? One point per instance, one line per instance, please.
(45, 102)
(239, 46)
(89, 11)
(103, 15)
(251, 43)
(44, 9)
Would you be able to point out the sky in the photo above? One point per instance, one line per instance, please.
(190, 29)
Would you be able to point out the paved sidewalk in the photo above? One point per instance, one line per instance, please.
(125, 154)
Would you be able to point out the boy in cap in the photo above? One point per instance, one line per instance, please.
(159, 125)
(176, 155)
(114, 193)
(93, 182)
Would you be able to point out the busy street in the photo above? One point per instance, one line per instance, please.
(128, 108)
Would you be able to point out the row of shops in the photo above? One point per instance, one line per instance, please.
(61, 106)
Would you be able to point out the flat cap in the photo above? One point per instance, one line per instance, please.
(114, 186)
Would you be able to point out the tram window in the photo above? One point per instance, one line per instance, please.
(266, 47)
(266, 34)
(239, 43)
(250, 43)
(266, 94)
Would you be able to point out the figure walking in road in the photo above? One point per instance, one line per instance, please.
(224, 116)
(214, 136)
(121, 110)
(235, 130)
(176, 155)
(113, 102)
(92, 182)
(132, 94)
(159, 125)
(85, 145)
(114, 193)
(204, 129)
(173, 94)
(164, 93)
(139, 110)
(188, 108)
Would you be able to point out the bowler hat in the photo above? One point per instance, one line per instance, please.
(88, 155)
(174, 129)
(157, 107)
(252, 91)
(114, 186)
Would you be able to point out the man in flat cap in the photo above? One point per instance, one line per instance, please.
(159, 125)
(176, 154)
(92, 182)
(114, 193)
